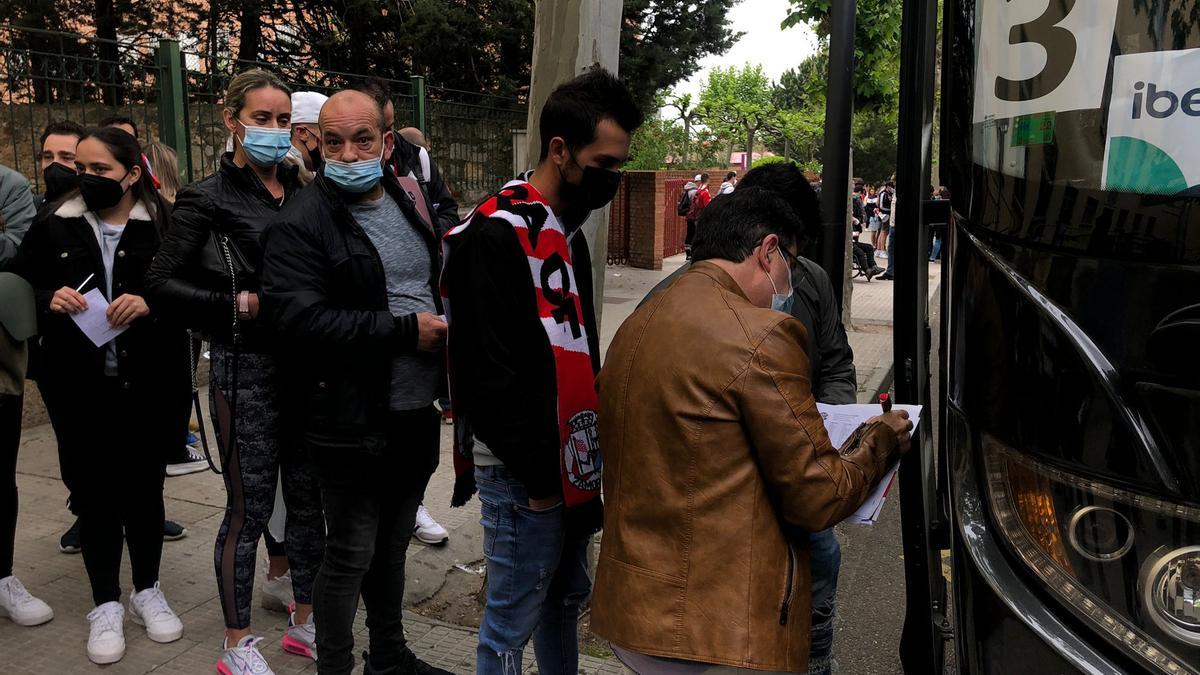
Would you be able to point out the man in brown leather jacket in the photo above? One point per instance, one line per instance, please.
(728, 441)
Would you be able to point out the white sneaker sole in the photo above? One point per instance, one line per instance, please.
(28, 621)
(105, 658)
(164, 638)
(432, 541)
(185, 468)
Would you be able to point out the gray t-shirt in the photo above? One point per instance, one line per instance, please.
(406, 264)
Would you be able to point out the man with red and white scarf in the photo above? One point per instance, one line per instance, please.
(523, 355)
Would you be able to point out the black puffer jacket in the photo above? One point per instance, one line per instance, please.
(325, 295)
(188, 278)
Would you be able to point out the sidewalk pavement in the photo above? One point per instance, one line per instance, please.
(197, 501)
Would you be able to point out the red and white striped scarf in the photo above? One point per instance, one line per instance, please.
(560, 312)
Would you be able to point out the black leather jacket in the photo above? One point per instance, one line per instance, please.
(325, 297)
(189, 278)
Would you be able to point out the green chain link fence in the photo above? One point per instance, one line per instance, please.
(176, 96)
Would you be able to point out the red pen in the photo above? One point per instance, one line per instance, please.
(886, 402)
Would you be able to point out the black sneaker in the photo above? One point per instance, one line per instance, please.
(409, 665)
(173, 531)
(69, 543)
(189, 460)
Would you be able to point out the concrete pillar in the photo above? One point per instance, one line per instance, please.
(571, 36)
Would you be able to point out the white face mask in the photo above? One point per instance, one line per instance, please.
(779, 301)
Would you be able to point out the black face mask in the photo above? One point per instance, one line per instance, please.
(59, 180)
(101, 192)
(317, 159)
(595, 189)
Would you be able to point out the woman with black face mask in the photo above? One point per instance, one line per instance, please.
(90, 255)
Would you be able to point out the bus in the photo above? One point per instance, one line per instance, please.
(1065, 477)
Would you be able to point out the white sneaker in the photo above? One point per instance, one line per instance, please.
(18, 605)
(194, 463)
(427, 530)
(277, 594)
(106, 639)
(244, 659)
(149, 608)
(301, 638)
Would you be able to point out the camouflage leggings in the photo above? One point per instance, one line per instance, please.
(261, 454)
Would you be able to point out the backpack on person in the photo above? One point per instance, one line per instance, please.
(684, 207)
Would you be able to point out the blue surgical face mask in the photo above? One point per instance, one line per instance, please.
(266, 146)
(356, 177)
(779, 301)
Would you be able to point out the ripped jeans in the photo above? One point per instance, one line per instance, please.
(825, 559)
(537, 580)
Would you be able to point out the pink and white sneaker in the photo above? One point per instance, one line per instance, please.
(300, 639)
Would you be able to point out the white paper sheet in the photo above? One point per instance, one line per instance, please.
(840, 422)
(93, 321)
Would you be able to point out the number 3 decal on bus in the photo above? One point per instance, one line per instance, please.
(1041, 55)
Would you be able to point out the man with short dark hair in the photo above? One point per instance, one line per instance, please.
(719, 465)
(350, 272)
(524, 351)
(58, 160)
(831, 372)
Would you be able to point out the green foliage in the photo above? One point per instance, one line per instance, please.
(770, 159)
(737, 102)
(663, 40)
(877, 46)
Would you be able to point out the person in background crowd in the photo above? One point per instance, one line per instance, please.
(103, 237)
(761, 473)
(831, 372)
(164, 163)
(184, 458)
(887, 198)
(411, 160)
(17, 211)
(523, 354)
(58, 161)
(942, 194)
(172, 531)
(18, 323)
(229, 211)
(368, 401)
(700, 199)
(416, 137)
(122, 122)
(887, 209)
(871, 210)
(305, 153)
(729, 184)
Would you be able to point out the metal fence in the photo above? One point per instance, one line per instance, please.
(176, 96)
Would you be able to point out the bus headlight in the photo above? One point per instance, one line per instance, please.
(1125, 563)
(1170, 583)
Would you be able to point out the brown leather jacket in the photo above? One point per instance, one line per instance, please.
(715, 460)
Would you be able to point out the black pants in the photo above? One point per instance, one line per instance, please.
(10, 441)
(370, 507)
(691, 233)
(110, 450)
(864, 256)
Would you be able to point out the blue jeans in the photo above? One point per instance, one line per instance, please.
(537, 579)
(937, 249)
(825, 559)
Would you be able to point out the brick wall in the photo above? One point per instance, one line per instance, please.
(643, 227)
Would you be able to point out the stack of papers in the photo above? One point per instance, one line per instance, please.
(841, 421)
